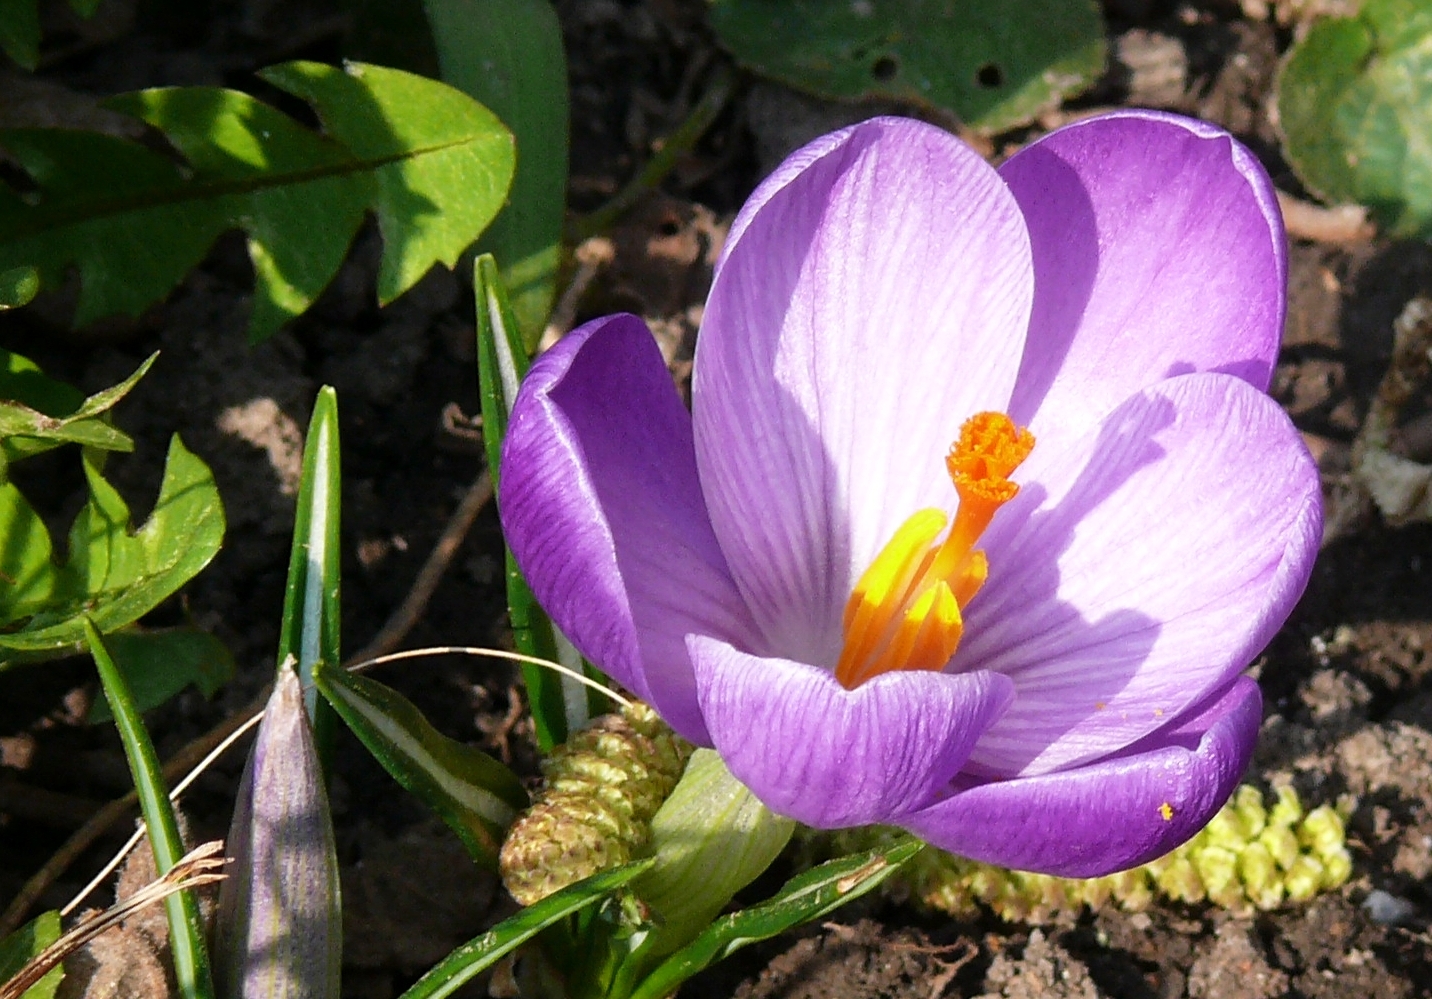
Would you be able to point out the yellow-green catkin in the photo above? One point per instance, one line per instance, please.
(599, 793)
(1249, 856)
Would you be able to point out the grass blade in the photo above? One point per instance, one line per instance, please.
(502, 363)
(808, 896)
(186, 932)
(481, 953)
(311, 598)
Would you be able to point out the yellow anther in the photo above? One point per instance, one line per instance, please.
(905, 611)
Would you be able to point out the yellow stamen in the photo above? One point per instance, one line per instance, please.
(905, 611)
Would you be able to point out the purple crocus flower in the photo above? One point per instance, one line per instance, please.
(1065, 360)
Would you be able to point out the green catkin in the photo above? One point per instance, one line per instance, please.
(1250, 856)
(599, 793)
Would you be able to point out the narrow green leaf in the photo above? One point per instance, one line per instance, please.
(42, 418)
(502, 363)
(475, 956)
(159, 663)
(28, 941)
(473, 793)
(508, 55)
(186, 930)
(311, 618)
(113, 576)
(807, 897)
(18, 285)
(433, 164)
(20, 31)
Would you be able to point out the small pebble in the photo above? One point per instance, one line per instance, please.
(1388, 909)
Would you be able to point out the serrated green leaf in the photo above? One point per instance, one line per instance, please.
(311, 601)
(18, 285)
(477, 955)
(1355, 108)
(996, 64)
(508, 55)
(28, 941)
(431, 163)
(186, 929)
(473, 793)
(30, 425)
(20, 31)
(807, 897)
(159, 663)
(442, 162)
(113, 576)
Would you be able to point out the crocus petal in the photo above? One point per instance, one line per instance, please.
(873, 295)
(601, 506)
(1158, 250)
(1140, 568)
(831, 757)
(1106, 816)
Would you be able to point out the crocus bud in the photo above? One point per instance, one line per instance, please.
(279, 933)
(599, 794)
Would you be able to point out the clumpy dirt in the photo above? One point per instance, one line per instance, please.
(1347, 683)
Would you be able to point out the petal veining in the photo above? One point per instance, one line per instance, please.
(873, 295)
(601, 506)
(831, 757)
(1158, 250)
(1110, 815)
(1140, 568)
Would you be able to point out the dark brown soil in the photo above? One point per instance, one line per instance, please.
(1348, 683)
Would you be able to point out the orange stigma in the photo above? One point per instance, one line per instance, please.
(905, 612)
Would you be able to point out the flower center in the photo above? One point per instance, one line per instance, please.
(904, 613)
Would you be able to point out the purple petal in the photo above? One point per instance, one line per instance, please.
(873, 295)
(601, 506)
(831, 757)
(1111, 815)
(1158, 250)
(1141, 567)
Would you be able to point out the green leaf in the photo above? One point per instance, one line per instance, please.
(502, 363)
(311, 604)
(18, 286)
(475, 956)
(159, 663)
(113, 576)
(443, 163)
(41, 418)
(431, 163)
(22, 381)
(710, 838)
(186, 929)
(1355, 108)
(508, 55)
(473, 793)
(807, 897)
(19, 947)
(20, 31)
(996, 64)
